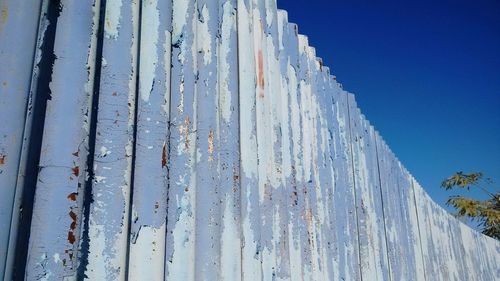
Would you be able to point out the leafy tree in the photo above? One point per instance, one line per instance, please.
(486, 213)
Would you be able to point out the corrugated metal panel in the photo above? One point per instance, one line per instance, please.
(18, 40)
(200, 140)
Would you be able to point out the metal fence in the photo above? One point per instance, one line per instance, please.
(200, 140)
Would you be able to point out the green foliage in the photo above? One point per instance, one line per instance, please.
(486, 213)
(462, 180)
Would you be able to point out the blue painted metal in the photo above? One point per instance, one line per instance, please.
(18, 38)
(200, 140)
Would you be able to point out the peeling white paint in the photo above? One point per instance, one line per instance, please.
(113, 17)
(100, 179)
(179, 19)
(228, 26)
(228, 243)
(57, 258)
(149, 54)
(204, 38)
(247, 97)
(97, 270)
(147, 261)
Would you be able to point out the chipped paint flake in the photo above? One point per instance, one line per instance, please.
(104, 151)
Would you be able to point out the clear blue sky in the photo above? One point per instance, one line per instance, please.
(425, 73)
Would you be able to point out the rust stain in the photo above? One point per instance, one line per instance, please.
(72, 215)
(164, 156)
(260, 76)
(76, 171)
(71, 237)
(211, 145)
(72, 227)
(2, 159)
(72, 196)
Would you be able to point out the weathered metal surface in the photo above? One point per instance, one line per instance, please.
(200, 140)
(55, 227)
(150, 185)
(106, 228)
(369, 201)
(18, 33)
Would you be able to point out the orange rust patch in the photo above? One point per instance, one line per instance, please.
(72, 227)
(71, 237)
(2, 159)
(76, 171)
(260, 76)
(211, 144)
(72, 215)
(72, 196)
(164, 156)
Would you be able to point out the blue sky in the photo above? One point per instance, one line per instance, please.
(425, 73)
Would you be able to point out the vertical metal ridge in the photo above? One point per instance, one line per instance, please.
(87, 196)
(137, 28)
(383, 209)
(8, 255)
(41, 94)
(354, 181)
(64, 148)
(418, 225)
